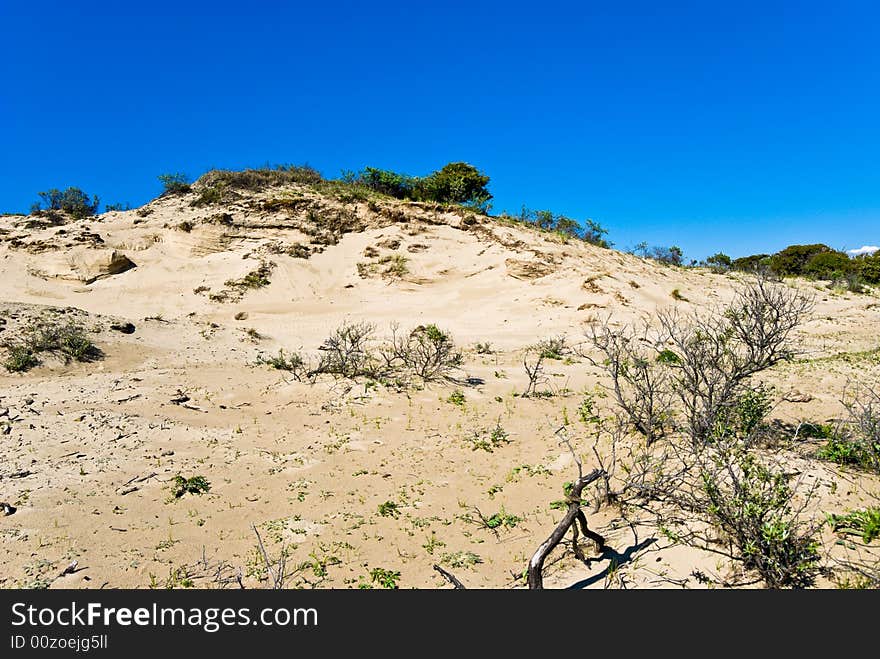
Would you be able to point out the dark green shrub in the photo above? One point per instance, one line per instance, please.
(590, 231)
(20, 358)
(594, 233)
(753, 263)
(667, 255)
(868, 267)
(828, 265)
(456, 183)
(848, 450)
(177, 183)
(383, 181)
(792, 260)
(72, 201)
(719, 262)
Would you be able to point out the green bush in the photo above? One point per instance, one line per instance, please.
(752, 505)
(426, 352)
(719, 262)
(868, 267)
(72, 201)
(383, 181)
(753, 263)
(177, 183)
(828, 265)
(20, 358)
(848, 450)
(456, 183)
(590, 231)
(261, 178)
(792, 260)
(667, 255)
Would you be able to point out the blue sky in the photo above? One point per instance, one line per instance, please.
(741, 127)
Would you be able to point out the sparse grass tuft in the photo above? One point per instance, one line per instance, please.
(69, 340)
(461, 559)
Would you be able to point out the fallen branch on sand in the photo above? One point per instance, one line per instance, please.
(574, 516)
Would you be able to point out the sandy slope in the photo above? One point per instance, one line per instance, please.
(309, 465)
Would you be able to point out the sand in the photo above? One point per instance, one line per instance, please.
(92, 448)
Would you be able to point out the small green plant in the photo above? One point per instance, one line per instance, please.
(384, 578)
(489, 440)
(20, 358)
(587, 410)
(389, 509)
(552, 348)
(846, 451)
(484, 348)
(193, 485)
(432, 544)
(865, 523)
(177, 578)
(502, 519)
(676, 295)
(808, 430)
(753, 508)
(293, 362)
(456, 398)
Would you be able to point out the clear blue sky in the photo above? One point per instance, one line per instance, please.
(740, 126)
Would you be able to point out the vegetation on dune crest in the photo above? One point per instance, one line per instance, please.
(814, 261)
(72, 201)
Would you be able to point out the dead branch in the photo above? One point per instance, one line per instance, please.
(573, 514)
(450, 578)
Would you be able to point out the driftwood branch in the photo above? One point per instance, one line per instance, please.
(572, 515)
(450, 578)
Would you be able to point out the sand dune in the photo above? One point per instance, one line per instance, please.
(92, 448)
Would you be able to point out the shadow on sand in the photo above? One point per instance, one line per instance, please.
(615, 559)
